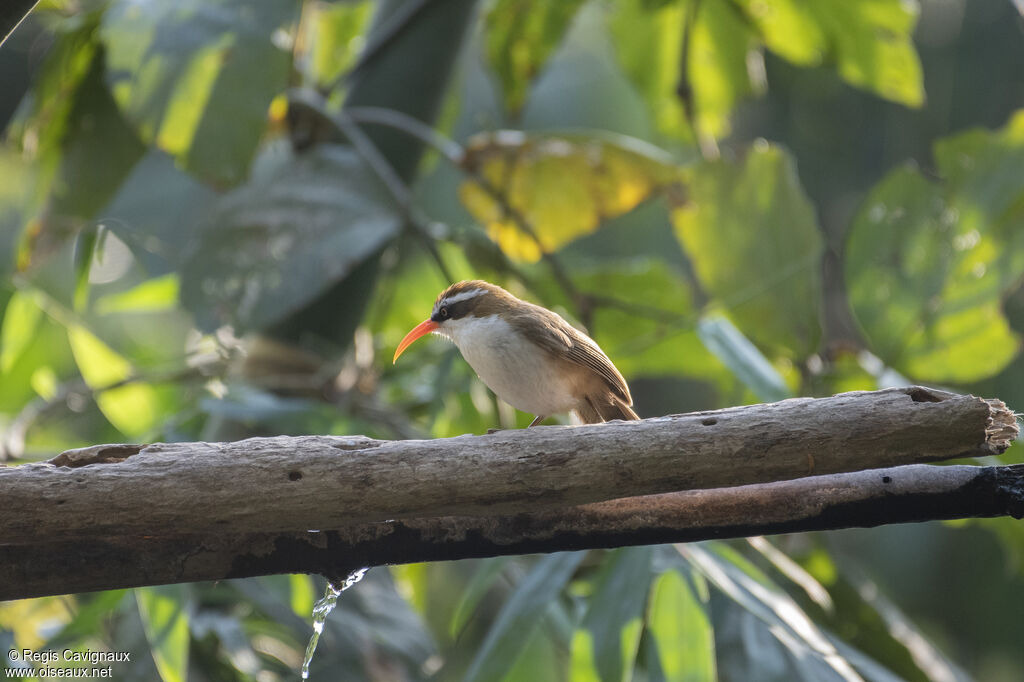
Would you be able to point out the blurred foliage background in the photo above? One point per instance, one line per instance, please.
(218, 218)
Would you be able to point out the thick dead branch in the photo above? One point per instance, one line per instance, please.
(294, 484)
(862, 499)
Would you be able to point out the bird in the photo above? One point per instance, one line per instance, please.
(529, 356)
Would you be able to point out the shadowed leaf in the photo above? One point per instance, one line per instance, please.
(276, 244)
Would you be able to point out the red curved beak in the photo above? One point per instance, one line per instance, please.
(422, 329)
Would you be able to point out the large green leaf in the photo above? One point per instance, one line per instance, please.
(928, 264)
(165, 615)
(521, 614)
(869, 43)
(197, 77)
(157, 211)
(275, 244)
(680, 625)
(751, 234)
(610, 631)
(788, 623)
(521, 34)
(649, 42)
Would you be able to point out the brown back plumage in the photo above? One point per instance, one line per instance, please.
(553, 334)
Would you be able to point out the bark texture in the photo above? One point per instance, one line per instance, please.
(312, 482)
(861, 499)
(122, 515)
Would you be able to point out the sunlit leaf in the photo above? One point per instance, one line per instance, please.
(134, 407)
(520, 35)
(277, 243)
(614, 610)
(521, 614)
(303, 594)
(871, 43)
(165, 615)
(331, 35)
(21, 317)
(747, 363)
(928, 264)
(751, 234)
(159, 293)
(197, 77)
(44, 382)
(561, 186)
(681, 627)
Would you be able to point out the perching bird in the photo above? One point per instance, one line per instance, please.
(529, 356)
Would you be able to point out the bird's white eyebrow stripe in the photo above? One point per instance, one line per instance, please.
(461, 296)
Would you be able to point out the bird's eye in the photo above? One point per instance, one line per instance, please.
(443, 312)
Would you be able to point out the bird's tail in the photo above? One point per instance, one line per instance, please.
(595, 411)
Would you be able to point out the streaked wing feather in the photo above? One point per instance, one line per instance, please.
(559, 337)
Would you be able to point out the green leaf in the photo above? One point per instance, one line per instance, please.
(649, 43)
(165, 616)
(90, 615)
(133, 408)
(331, 35)
(521, 614)
(868, 42)
(157, 210)
(614, 610)
(871, 43)
(21, 318)
(653, 331)
(681, 627)
(751, 234)
(488, 571)
(153, 295)
(197, 77)
(728, 344)
(520, 36)
(276, 244)
(788, 623)
(928, 265)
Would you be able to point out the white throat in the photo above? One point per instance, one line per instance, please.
(516, 369)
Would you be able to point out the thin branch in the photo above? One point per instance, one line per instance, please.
(684, 88)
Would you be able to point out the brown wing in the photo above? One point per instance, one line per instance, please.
(559, 337)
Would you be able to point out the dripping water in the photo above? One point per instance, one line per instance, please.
(322, 609)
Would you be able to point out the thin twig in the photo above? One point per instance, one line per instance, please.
(684, 88)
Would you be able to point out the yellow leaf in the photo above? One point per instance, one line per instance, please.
(562, 187)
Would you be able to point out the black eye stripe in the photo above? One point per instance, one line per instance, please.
(451, 311)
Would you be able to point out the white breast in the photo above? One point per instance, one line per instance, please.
(518, 372)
